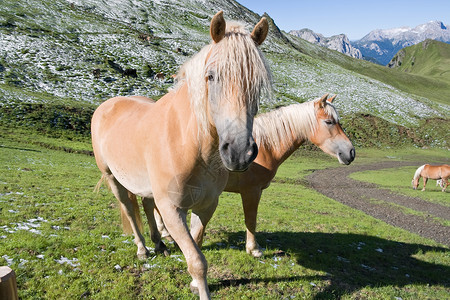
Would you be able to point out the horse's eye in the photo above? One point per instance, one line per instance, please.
(330, 122)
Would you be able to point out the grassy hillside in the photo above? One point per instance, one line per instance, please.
(49, 49)
(429, 58)
(436, 87)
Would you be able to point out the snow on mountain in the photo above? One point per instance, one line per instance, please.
(49, 49)
(339, 42)
(383, 44)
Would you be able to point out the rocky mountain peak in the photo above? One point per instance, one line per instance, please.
(383, 44)
(338, 42)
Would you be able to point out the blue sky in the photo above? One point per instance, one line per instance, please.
(354, 18)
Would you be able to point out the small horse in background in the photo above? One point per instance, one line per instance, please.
(427, 171)
(176, 153)
(279, 133)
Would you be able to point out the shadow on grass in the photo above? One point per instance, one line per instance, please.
(351, 261)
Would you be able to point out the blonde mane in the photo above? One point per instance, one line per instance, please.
(280, 126)
(237, 63)
(418, 171)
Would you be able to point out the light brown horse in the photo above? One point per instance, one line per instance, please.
(278, 134)
(431, 172)
(176, 153)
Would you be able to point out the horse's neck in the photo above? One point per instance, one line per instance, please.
(284, 131)
(283, 151)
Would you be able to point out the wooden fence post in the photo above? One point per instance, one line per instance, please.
(8, 284)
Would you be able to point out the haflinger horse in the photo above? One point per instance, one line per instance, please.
(427, 171)
(176, 153)
(278, 134)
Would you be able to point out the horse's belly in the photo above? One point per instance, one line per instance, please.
(136, 181)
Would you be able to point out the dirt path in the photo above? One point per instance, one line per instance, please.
(381, 203)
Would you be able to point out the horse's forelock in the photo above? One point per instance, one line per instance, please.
(238, 64)
(331, 111)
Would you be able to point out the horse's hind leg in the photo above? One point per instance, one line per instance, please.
(121, 193)
(149, 207)
(444, 184)
(161, 227)
(199, 220)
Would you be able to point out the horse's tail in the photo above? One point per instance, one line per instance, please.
(417, 174)
(126, 225)
(100, 182)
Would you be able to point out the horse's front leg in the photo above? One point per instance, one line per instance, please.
(149, 207)
(175, 222)
(425, 179)
(199, 220)
(250, 202)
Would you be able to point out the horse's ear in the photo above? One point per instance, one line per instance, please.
(331, 99)
(218, 25)
(260, 31)
(321, 102)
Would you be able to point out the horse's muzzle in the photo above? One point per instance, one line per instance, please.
(238, 159)
(347, 158)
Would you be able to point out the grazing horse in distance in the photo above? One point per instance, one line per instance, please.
(279, 133)
(176, 153)
(427, 171)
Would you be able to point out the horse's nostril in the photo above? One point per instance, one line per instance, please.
(225, 146)
(352, 153)
(253, 152)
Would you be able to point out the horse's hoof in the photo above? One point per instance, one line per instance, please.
(257, 253)
(194, 288)
(164, 251)
(142, 256)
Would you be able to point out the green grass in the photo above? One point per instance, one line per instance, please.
(399, 181)
(418, 84)
(429, 58)
(316, 248)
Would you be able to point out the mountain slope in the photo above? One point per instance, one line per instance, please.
(429, 58)
(339, 42)
(429, 88)
(49, 49)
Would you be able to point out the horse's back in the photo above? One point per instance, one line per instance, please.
(437, 172)
(445, 171)
(121, 106)
(119, 114)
